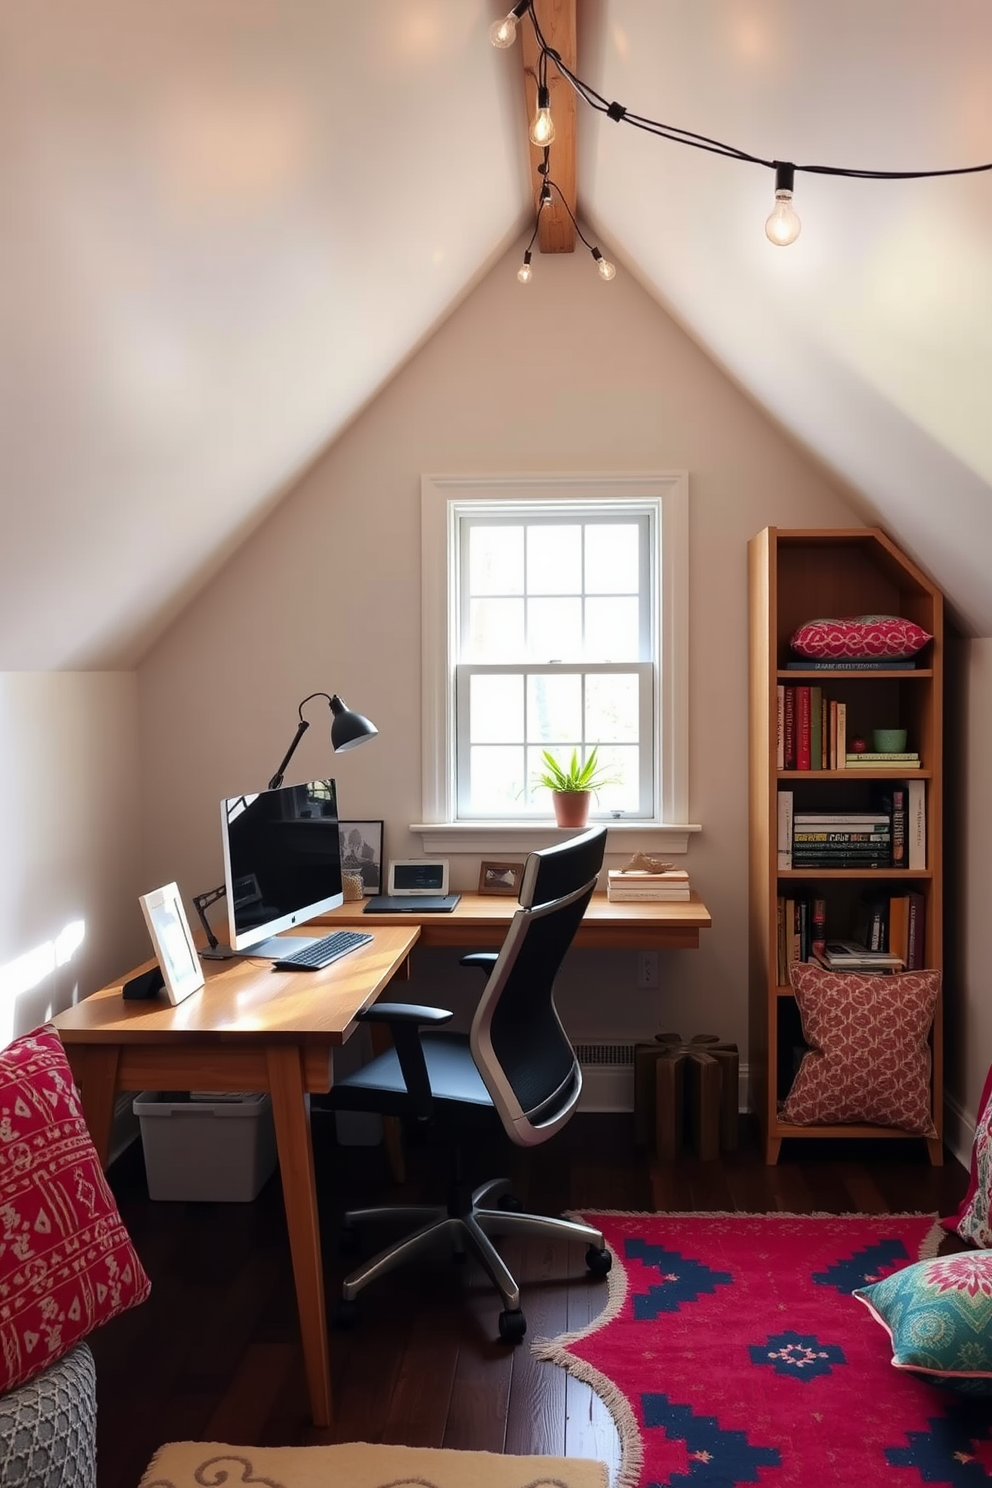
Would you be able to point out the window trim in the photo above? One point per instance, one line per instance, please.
(440, 495)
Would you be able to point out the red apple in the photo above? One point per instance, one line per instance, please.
(858, 746)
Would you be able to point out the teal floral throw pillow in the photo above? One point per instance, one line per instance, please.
(938, 1314)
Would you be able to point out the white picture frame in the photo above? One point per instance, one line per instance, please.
(172, 939)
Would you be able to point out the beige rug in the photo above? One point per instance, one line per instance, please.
(361, 1465)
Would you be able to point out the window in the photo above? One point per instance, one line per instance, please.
(554, 618)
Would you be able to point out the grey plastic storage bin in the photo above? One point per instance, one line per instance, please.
(211, 1147)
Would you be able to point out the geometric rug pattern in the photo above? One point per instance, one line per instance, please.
(731, 1352)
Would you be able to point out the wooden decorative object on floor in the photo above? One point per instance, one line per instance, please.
(363, 1465)
(679, 1085)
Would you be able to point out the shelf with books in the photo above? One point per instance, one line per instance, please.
(794, 576)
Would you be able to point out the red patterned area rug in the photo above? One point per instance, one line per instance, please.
(731, 1352)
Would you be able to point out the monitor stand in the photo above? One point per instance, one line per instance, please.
(276, 947)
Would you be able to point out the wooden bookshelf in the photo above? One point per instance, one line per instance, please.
(796, 576)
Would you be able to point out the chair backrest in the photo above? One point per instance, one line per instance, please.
(519, 1045)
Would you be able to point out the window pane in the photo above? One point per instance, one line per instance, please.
(612, 630)
(496, 560)
(554, 560)
(612, 700)
(611, 558)
(554, 629)
(496, 710)
(497, 630)
(554, 709)
(497, 779)
(624, 763)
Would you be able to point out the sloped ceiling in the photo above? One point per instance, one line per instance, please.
(228, 221)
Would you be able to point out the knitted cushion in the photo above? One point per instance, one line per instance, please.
(868, 1057)
(859, 635)
(66, 1261)
(48, 1427)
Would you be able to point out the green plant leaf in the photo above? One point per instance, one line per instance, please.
(576, 775)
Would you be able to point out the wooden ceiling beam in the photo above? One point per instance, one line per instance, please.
(556, 19)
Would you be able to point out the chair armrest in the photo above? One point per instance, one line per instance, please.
(484, 960)
(405, 1012)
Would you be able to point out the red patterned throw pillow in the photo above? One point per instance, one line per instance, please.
(66, 1261)
(973, 1221)
(868, 1057)
(859, 635)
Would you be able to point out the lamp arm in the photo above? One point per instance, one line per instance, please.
(301, 729)
(216, 951)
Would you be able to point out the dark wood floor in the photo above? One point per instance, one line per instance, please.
(213, 1355)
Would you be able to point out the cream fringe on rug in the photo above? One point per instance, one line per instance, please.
(361, 1465)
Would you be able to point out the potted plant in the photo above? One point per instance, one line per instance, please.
(571, 785)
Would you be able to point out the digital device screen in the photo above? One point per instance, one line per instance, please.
(282, 861)
(418, 876)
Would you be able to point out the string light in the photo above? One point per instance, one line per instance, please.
(606, 269)
(542, 129)
(525, 273)
(782, 226)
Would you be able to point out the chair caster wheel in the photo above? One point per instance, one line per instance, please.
(345, 1315)
(512, 1326)
(599, 1262)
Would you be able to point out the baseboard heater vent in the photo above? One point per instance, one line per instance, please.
(607, 1076)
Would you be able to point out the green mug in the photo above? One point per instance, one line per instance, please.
(889, 741)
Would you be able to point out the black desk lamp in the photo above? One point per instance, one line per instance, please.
(347, 730)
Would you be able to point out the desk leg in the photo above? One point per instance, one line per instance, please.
(94, 1069)
(300, 1197)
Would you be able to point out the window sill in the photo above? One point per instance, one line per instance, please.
(524, 837)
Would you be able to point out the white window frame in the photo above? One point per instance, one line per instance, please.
(441, 498)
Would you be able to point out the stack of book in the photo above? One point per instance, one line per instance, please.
(635, 885)
(856, 839)
(880, 761)
(851, 955)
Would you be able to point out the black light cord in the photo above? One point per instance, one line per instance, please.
(620, 115)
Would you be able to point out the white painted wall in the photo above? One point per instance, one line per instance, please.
(70, 824)
(970, 1047)
(326, 595)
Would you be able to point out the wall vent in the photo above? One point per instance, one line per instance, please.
(607, 1076)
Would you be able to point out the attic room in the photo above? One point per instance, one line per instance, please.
(260, 270)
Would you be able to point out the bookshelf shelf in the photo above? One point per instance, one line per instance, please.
(795, 575)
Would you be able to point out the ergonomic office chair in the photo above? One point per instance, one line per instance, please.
(516, 1059)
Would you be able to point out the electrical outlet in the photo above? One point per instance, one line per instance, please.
(647, 969)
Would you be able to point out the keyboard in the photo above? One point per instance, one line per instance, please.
(322, 952)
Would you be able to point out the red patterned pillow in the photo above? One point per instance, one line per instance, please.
(66, 1261)
(973, 1221)
(868, 1057)
(859, 635)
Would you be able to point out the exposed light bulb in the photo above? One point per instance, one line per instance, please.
(525, 273)
(504, 33)
(542, 129)
(607, 270)
(783, 226)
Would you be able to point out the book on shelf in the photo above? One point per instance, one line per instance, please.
(789, 730)
(852, 955)
(851, 664)
(888, 757)
(840, 837)
(855, 821)
(832, 734)
(892, 800)
(816, 728)
(780, 727)
(915, 946)
(817, 925)
(881, 762)
(916, 823)
(785, 829)
(841, 743)
(803, 728)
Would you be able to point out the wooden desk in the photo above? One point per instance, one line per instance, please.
(248, 1028)
(480, 921)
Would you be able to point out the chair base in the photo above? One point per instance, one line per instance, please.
(468, 1223)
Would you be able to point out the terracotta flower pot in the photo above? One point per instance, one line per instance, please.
(571, 807)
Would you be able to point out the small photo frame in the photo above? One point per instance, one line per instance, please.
(361, 852)
(500, 878)
(173, 942)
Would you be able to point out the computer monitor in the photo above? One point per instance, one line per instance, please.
(282, 864)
